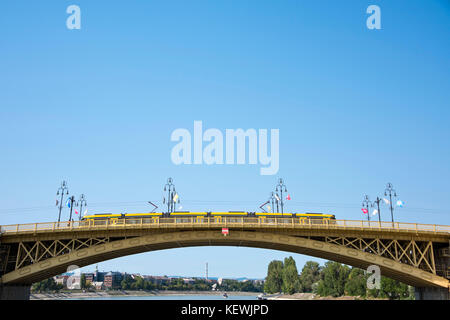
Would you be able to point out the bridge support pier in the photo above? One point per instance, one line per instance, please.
(16, 292)
(431, 293)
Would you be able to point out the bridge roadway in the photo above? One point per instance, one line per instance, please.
(416, 254)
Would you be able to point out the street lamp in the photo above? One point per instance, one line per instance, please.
(72, 200)
(378, 208)
(279, 188)
(80, 203)
(391, 192)
(172, 196)
(272, 201)
(63, 189)
(367, 204)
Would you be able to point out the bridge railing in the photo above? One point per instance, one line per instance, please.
(205, 222)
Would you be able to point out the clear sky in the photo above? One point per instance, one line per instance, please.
(355, 108)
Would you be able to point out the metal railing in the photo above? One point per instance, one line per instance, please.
(208, 222)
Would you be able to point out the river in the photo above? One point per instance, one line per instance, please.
(170, 297)
(139, 295)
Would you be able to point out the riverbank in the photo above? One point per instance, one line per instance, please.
(129, 293)
(312, 296)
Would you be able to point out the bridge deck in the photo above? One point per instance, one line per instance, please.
(431, 231)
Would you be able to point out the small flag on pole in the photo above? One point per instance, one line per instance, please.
(276, 197)
(68, 203)
(175, 198)
(365, 211)
(85, 212)
(76, 212)
(225, 231)
(386, 201)
(269, 208)
(400, 203)
(375, 212)
(57, 202)
(288, 197)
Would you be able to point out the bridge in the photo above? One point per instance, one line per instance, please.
(415, 254)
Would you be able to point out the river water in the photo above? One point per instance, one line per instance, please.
(173, 297)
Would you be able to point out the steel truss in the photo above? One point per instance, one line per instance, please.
(34, 252)
(418, 254)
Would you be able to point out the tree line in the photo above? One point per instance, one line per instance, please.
(178, 284)
(140, 283)
(47, 285)
(332, 279)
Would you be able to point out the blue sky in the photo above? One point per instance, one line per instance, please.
(356, 108)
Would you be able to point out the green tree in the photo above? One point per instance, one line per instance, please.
(138, 283)
(83, 281)
(274, 279)
(393, 289)
(235, 285)
(356, 284)
(249, 286)
(291, 280)
(334, 278)
(149, 285)
(126, 282)
(46, 285)
(310, 275)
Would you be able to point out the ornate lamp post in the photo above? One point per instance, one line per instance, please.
(171, 194)
(367, 204)
(80, 203)
(272, 201)
(72, 201)
(279, 188)
(63, 189)
(391, 192)
(378, 201)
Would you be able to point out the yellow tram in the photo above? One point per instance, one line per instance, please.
(199, 217)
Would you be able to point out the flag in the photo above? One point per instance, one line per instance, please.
(268, 208)
(400, 203)
(76, 212)
(375, 212)
(386, 201)
(175, 198)
(85, 212)
(365, 211)
(288, 197)
(180, 207)
(68, 203)
(57, 202)
(276, 197)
